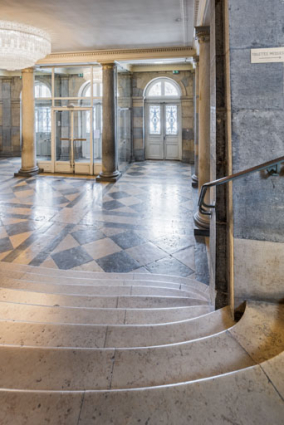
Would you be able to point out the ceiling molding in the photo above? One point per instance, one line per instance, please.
(109, 56)
(164, 67)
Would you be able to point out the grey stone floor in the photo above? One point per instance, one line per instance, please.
(141, 223)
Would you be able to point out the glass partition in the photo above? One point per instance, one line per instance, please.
(68, 87)
(43, 104)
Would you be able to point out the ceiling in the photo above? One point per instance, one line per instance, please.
(105, 24)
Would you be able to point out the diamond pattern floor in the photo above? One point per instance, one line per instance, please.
(141, 223)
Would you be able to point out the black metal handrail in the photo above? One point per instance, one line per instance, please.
(269, 166)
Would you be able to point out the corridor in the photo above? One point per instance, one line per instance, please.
(143, 223)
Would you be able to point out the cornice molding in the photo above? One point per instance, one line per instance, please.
(110, 56)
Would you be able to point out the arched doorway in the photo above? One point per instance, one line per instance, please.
(162, 120)
(43, 121)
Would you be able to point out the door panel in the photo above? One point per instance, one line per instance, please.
(154, 132)
(162, 131)
(171, 131)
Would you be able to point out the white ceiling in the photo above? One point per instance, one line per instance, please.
(78, 25)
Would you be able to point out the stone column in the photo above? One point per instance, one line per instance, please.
(203, 35)
(194, 177)
(29, 167)
(110, 171)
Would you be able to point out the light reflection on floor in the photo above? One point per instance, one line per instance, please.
(141, 223)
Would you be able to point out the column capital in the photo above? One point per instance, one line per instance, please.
(108, 65)
(202, 34)
(28, 71)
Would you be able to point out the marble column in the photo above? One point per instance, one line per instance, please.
(29, 167)
(194, 177)
(110, 171)
(203, 35)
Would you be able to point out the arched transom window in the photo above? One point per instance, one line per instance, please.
(42, 90)
(162, 87)
(42, 108)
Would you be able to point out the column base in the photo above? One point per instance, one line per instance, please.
(202, 225)
(28, 173)
(111, 178)
(194, 180)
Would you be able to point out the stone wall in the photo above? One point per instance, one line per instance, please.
(185, 81)
(257, 103)
(10, 116)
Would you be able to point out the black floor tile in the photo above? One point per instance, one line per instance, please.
(5, 245)
(120, 262)
(119, 195)
(127, 239)
(22, 227)
(174, 243)
(169, 266)
(87, 236)
(112, 205)
(70, 258)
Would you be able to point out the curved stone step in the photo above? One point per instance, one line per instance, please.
(54, 335)
(97, 290)
(231, 398)
(88, 369)
(45, 314)
(68, 285)
(37, 298)
(66, 276)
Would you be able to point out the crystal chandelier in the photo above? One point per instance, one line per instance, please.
(21, 46)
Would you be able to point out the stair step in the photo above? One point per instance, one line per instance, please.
(37, 298)
(76, 315)
(230, 396)
(88, 369)
(46, 274)
(58, 335)
(78, 369)
(97, 290)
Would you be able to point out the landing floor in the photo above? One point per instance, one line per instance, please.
(141, 223)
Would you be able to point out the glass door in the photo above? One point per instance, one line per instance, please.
(72, 140)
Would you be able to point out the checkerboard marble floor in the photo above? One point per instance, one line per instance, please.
(141, 223)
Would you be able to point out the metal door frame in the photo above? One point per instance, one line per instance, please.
(71, 139)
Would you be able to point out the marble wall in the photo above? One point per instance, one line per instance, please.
(124, 122)
(10, 116)
(257, 104)
(185, 80)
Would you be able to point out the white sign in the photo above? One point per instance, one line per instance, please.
(275, 54)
